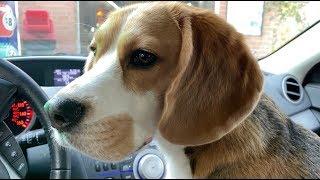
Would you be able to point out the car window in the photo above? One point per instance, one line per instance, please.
(66, 27)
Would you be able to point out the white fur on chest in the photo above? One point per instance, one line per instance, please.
(177, 163)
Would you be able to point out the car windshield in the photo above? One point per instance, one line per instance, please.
(33, 28)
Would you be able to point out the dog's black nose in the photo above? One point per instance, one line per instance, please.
(65, 113)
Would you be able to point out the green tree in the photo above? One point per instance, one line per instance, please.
(283, 13)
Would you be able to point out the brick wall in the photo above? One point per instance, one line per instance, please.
(223, 9)
(64, 17)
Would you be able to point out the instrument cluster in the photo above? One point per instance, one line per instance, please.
(21, 117)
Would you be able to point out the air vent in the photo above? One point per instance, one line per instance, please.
(292, 89)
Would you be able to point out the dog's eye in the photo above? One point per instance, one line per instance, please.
(142, 58)
(93, 49)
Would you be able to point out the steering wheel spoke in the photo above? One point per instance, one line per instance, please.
(7, 91)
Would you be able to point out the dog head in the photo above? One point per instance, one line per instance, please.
(157, 66)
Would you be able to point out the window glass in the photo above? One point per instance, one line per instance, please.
(66, 27)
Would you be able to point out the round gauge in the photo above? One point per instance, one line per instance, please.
(20, 117)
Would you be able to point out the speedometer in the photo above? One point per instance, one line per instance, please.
(20, 117)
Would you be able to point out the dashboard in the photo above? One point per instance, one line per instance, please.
(300, 101)
(51, 71)
(21, 116)
(51, 74)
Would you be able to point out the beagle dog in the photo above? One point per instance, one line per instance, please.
(182, 74)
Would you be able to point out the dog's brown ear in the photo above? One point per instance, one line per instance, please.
(218, 83)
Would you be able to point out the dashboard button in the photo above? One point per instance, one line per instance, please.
(10, 149)
(7, 144)
(105, 167)
(21, 166)
(126, 167)
(13, 154)
(97, 167)
(114, 166)
(4, 131)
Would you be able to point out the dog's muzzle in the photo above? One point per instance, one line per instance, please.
(64, 113)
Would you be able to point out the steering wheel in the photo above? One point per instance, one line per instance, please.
(14, 81)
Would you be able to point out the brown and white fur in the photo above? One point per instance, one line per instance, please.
(202, 100)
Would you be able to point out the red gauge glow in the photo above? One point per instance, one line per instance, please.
(22, 114)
